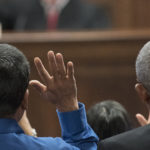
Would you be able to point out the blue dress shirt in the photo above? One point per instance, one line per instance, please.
(76, 134)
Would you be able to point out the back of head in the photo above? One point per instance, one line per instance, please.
(108, 118)
(14, 79)
(143, 66)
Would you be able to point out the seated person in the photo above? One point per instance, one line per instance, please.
(108, 118)
(58, 87)
(52, 14)
(136, 139)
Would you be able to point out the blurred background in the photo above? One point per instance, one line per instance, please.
(101, 37)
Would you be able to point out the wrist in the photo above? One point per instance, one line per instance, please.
(65, 107)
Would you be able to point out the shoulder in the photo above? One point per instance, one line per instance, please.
(134, 139)
(43, 143)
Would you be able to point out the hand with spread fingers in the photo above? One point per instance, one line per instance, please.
(59, 84)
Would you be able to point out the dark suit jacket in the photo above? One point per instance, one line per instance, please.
(136, 139)
(30, 15)
(8, 13)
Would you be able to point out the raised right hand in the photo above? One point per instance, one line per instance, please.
(59, 84)
(142, 120)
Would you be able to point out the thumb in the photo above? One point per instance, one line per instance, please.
(38, 86)
(141, 119)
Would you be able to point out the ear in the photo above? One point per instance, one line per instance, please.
(24, 103)
(142, 92)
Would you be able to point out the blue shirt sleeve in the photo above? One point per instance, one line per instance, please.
(75, 129)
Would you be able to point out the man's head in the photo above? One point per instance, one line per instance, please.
(143, 73)
(14, 79)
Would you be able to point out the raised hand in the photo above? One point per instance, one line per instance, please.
(142, 120)
(59, 84)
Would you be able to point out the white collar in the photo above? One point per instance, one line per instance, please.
(59, 5)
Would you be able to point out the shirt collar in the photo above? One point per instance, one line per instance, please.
(9, 126)
(60, 5)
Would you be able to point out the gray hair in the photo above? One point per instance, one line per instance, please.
(143, 66)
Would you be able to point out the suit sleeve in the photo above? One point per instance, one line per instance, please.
(75, 129)
(8, 14)
(101, 19)
(101, 146)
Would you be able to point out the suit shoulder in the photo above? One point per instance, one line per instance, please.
(134, 139)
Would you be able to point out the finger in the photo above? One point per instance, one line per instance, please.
(70, 70)
(141, 119)
(44, 75)
(52, 64)
(60, 64)
(149, 118)
(38, 86)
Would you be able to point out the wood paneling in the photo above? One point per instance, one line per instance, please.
(104, 68)
(131, 13)
(128, 14)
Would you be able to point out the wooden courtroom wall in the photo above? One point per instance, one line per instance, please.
(131, 13)
(127, 14)
(104, 69)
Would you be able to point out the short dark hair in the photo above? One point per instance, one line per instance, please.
(108, 118)
(14, 79)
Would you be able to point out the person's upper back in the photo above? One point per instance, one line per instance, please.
(12, 137)
(136, 139)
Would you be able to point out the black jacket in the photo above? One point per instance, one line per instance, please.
(136, 139)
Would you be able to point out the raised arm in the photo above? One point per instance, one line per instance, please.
(59, 88)
(24, 123)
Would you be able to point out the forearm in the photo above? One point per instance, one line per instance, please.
(24, 123)
(75, 129)
(28, 130)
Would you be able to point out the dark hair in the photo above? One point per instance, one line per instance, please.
(108, 118)
(14, 79)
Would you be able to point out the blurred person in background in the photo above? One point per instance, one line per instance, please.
(52, 15)
(108, 118)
